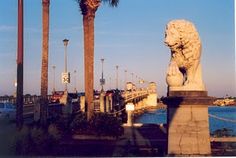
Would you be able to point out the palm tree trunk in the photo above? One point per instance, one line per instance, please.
(20, 55)
(88, 9)
(44, 68)
(88, 22)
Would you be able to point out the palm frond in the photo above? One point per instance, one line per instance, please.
(78, 1)
(113, 3)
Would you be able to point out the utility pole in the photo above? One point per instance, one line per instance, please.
(20, 70)
(132, 75)
(65, 41)
(117, 80)
(125, 80)
(102, 80)
(75, 81)
(54, 89)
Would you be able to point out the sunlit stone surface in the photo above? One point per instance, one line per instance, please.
(187, 101)
(185, 45)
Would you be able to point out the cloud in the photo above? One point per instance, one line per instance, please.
(11, 55)
(112, 45)
(4, 28)
(66, 30)
(122, 33)
(33, 30)
(7, 28)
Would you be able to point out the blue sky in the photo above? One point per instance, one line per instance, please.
(130, 36)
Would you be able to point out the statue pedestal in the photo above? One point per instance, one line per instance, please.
(188, 125)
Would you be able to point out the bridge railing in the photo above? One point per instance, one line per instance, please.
(134, 94)
(26, 99)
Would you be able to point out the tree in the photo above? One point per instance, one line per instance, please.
(88, 9)
(44, 68)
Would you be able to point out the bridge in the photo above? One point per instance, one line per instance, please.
(141, 99)
(112, 103)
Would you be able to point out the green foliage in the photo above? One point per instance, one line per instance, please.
(54, 133)
(224, 132)
(79, 123)
(105, 124)
(22, 141)
(36, 140)
(62, 123)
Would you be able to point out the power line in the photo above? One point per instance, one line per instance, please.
(221, 118)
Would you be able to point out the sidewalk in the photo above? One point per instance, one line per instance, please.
(138, 140)
(142, 140)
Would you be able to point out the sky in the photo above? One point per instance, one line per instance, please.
(130, 36)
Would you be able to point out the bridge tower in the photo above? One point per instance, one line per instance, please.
(152, 94)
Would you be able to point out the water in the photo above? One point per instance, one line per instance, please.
(227, 112)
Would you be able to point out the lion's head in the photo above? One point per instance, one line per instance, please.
(180, 32)
(185, 45)
(183, 39)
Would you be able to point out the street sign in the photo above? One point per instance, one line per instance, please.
(102, 81)
(65, 77)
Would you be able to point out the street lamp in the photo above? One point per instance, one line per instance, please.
(53, 67)
(125, 80)
(137, 81)
(132, 74)
(102, 80)
(66, 77)
(110, 83)
(75, 81)
(117, 76)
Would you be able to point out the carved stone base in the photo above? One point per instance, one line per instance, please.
(188, 125)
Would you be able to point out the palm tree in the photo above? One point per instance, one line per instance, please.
(44, 68)
(88, 9)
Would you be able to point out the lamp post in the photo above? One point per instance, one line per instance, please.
(137, 81)
(110, 83)
(125, 80)
(75, 81)
(117, 67)
(65, 41)
(132, 75)
(102, 80)
(53, 89)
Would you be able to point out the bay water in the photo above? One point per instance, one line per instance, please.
(225, 117)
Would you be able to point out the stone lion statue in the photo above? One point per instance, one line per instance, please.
(184, 71)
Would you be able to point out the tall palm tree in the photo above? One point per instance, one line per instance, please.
(88, 9)
(44, 68)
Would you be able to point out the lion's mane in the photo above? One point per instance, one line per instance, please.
(189, 46)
